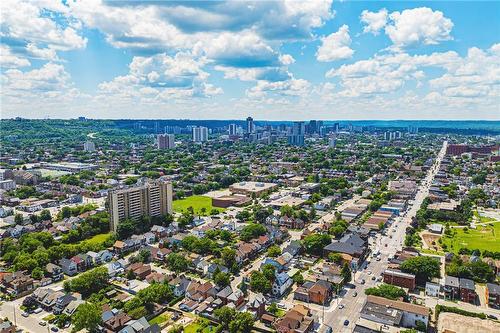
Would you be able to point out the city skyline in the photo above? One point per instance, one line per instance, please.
(349, 60)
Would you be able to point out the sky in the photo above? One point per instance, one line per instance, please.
(273, 60)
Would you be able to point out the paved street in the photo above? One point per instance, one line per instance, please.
(388, 245)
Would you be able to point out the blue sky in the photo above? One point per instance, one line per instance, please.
(268, 59)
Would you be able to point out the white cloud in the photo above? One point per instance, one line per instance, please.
(9, 60)
(286, 59)
(161, 76)
(26, 23)
(374, 21)
(418, 26)
(335, 46)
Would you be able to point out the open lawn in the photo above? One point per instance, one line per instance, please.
(98, 239)
(159, 319)
(193, 327)
(198, 202)
(483, 238)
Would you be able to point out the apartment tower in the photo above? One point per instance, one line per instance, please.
(150, 199)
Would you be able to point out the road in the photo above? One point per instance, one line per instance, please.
(388, 245)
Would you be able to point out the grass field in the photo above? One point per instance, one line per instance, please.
(483, 238)
(193, 328)
(198, 202)
(159, 319)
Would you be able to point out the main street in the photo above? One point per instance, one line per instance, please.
(388, 245)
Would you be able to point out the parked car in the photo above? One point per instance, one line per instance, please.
(346, 322)
(355, 294)
(341, 306)
(37, 310)
(42, 323)
(24, 314)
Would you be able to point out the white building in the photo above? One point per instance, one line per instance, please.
(432, 289)
(200, 134)
(7, 184)
(165, 141)
(281, 283)
(89, 146)
(233, 129)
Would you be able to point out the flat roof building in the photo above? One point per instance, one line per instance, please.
(150, 199)
(252, 188)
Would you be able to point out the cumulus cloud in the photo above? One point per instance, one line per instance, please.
(335, 46)
(162, 76)
(418, 26)
(374, 21)
(410, 27)
(9, 60)
(28, 29)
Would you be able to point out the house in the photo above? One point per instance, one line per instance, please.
(236, 297)
(432, 289)
(159, 254)
(493, 295)
(256, 304)
(394, 313)
(281, 283)
(50, 299)
(63, 301)
(16, 283)
(296, 320)
(467, 290)
(224, 294)
(72, 306)
(159, 231)
(400, 279)
(320, 292)
(140, 270)
(54, 271)
(352, 245)
(291, 222)
(105, 255)
(115, 268)
(114, 321)
(212, 268)
(451, 287)
(180, 285)
(7, 327)
(294, 248)
(140, 325)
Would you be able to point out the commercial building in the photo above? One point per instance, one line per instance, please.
(200, 134)
(394, 313)
(6, 174)
(68, 167)
(7, 184)
(150, 199)
(250, 125)
(252, 188)
(165, 141)
(89, 146)
(296, 134)
(400, 279)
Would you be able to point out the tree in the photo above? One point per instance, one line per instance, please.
(177, 262)
(45, 215)
(259, 283)
(314, 244)
(335, 257)
(423, 267)
(87, 316)
(222, 279)
(242, 323)
(274, 251)
(251, 231)
(269, 271)
(387, 291)
(228, 257)
(273, 308)
(346, 273)
(89, 282)
(298, 278)
(18, 218)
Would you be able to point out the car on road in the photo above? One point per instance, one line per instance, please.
(373, 278)
(54, 329)
(341, 306)
(362, 281)
(42, 323)
(355, 294)
(346, 322)
(492, 317)
(369, 272)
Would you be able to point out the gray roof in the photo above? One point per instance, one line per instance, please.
(493, 289)
(467, 284)
(451, 281)
(350, 244)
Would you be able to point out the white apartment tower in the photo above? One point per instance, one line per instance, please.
(89, 146)
(165, 141)
(150, 199)
(200, 134)
(233, 129)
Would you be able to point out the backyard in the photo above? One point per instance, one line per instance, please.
(201, 325)
(202, 205)
(485, 237)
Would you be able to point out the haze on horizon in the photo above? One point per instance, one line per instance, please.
(273, 60)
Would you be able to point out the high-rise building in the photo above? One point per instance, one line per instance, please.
(332, 142)
(89, 146)
(150, 199)
(250, 125)
(296, 135)
(336, 127)
(412, 130)
(165, 141)
(233, 129)
(200, 134)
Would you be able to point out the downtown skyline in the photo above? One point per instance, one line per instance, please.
(270, 60)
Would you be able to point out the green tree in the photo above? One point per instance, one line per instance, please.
(222, 279)
(89, 282)
(386, 291)
(314, 244)
(177, 262)
(346, 273)
(87, 316)
(259, 283)
(274, 251)
(423, 267)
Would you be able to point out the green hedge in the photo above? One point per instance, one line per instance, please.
(444, 308)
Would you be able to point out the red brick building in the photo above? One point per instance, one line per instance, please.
(400, 279)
